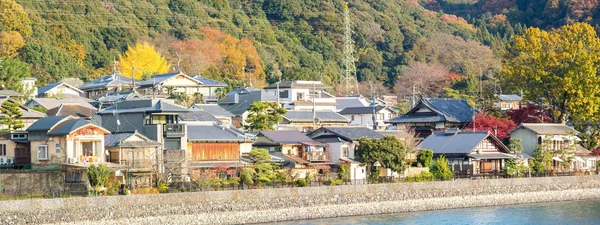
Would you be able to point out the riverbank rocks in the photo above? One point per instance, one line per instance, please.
(272, 205)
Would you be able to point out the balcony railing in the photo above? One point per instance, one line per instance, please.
(316, 156)
(174, 130)
(137, 164)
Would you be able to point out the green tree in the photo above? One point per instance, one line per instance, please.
(558, 68)
(426, 158)
(441, 170)
(99, 175)
(264, 170)
(12, 72)
(389, 151)
(198, 98)
(542, 157)
(515, 146)
(263, 115)
(10, 116)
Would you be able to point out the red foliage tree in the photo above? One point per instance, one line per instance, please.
(528, 114)
(495, 125)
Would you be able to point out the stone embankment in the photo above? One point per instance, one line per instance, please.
(271, 205)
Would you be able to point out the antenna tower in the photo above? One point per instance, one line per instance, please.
(348, 81)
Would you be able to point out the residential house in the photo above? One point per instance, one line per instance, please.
(160, 85)
(562, 139)
(224, 116)
(363, 116)
(342, 142)
(112, 98)
(157, 119)
(209, 89)
(351, 101)
(29, 87)
(584, 160)
(50, 103)
(58, 90)
(303, 95)
(13, 144)
(469, 152)
(212, 145)
(29, 116)
(506, 102)
(238, 102)
(107, 84)
(300, 153)
(435, 114)
(141, 155)
(75, 110)
(198, 118)
(303, 120)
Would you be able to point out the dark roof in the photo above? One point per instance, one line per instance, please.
(54, 85)
(27, 112)
(46, 123)
(298, 84)
(213, 133)
(160, 78)
(197, 116)
(346, 102)
(213, 109)
(68, 126)
(209, 83)
(510, 97)
(10, 93)
(110, 80)
(238, 101)
(461, 142)
(546, 128)
(449, 109)
(286, 136)
(72, 110)
(351, 133)
(144, 106)
(119, 96)
(305, 115)
(115, 140)
(361, 110)
(328, 138)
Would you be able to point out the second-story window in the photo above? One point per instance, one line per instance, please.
(300, 96)
(162, 119)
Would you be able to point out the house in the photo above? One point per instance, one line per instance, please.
(29, 87)
(238, 102)
(107, 84)
(178, 82)
(224, 116)
(351, 101)
(75, 110)
(50, 103)
(468, 152)
(29, 116)
(214, 145)
(58, 90)
(363, 116)
(506, 102)
(198, 118)
(435, 114)
(10, 93)
(13, 144)
(342, 142)
(560, 137)
(157, 119)
(303, 120)
(111, 98)
(301, 154)
(303, 95)
(141, 155)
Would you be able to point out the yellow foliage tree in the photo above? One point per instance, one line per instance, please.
(144, 59)
(10, 43)
(14, 18)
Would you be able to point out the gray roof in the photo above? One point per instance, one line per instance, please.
(345, 102)
(144, 106)
(115, 140)
(10, 93)
(107, 81)
(351, 133)
(68, 126)
(119, 96)
(547, 128)
(212, 109)
(157, 79)
(46, 123)
(298, 84)
(361, 110)
(322, 116)
(210, 83)
(510, 97)
(238, 101)
(448, 109)
(75, 110)
(27, 112)
(213, 134)
(286, 136)
(49, 87)
(197, 116)
(457, 143)
(49, 103)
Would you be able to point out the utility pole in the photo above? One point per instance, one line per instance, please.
(414, 96)
(133, 78)
(314, 108)
(348, 81)
(278, 104)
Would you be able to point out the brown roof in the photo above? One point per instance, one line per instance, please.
(75, 110)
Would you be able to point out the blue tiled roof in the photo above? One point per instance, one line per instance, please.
(108, 81)
(459, 143)
(44, 124)
(208, 82)
(510, 97)
(68, 126)
(238, 101)
(213, 133)
(150, 106)
(351, 133)
(48, 87)
(416, 118)
(447, 109)
(159, 78)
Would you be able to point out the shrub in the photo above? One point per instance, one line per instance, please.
(301, 183)
(333, 182)
(441, 170)
(232, 180)
(247, 175)
(98, 175)
(426, 158)
(308, 178)
(163, 187)
(113, 188)
(145, 191)
(344, 171)
(215, 183)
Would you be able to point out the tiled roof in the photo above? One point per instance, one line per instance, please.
(346, 102)
(418, 118)
(144, 105)
(213, 133)
(68, 126)
(110, 80)
(49, 103)
(197, 116)
(72, 110)
(510, 97)
(213, 109)
(115, 140)
(9, 93)
(461, 142)
(120, 96)
(328, 138)
(209, 83)
(160, 78)
(361, 110)
(547, 128)
(452, 110)
(46, 123)
(238, 101)
(27, 113)
(49, 87)
(351, 133)
(298, 84)
(286, 136)
(305, 115)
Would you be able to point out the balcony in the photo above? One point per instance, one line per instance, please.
(316, 156)
(174, 130)
(140, 164)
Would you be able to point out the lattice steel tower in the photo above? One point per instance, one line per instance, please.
(348, 80)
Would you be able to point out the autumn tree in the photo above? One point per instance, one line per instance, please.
(529, 114)
(10, 43)
(263, 115)
(558, 68)
(144, 59)
(10, 116)
(497, 126)
(427, 79)
(14, 26)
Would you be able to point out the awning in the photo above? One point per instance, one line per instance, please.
(557, 159)
(313, 143)
(491, 156)
(579, 159)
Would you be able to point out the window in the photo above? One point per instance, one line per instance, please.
(19, 136)
(42, 152)
(300, 96)
(2, 150)
(161, 119)
(380, 116)
(57, 148)
(539, 140)
(345, 152)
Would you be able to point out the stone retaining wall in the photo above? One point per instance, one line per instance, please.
(297, 203)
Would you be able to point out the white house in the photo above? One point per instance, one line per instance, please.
(159, 85)
(363, 116)
(59, 90)
(303, 95)
(29, 87)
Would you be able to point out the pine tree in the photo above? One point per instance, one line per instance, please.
(10, 116)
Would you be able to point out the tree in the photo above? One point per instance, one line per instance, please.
(542, 157)
(10, 43)
(516, 166)
(427, 79)
(497, 126)
(515, 146)
(198, 98)
(451, 93)
(14, 18)
(11, 113)
(529, 114)
(558, 68)
(389, 151)
(12, 72)
(144, 59)
(441, 170)
(263, 115)
(73, 81)
(99, 175)
(220, 93)
(589, 134)
(426, 158)
(262, 165)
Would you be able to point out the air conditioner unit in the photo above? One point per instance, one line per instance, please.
(72, 160)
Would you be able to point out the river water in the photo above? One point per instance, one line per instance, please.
(575, 212)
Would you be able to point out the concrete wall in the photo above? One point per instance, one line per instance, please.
(38, 182)
(269, 205)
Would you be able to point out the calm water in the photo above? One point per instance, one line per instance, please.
(576, 212)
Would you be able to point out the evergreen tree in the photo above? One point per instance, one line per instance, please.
(10, 116)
